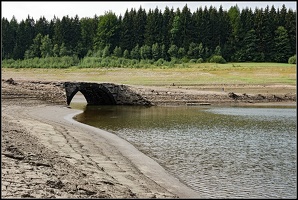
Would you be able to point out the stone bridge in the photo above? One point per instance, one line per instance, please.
(104, 94)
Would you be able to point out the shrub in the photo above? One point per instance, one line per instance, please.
(159, 62)
(175, 60)
(217, 59)
(292, 60)
(185, 60)
(200, 60)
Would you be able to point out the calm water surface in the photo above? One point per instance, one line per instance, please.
(230, 152)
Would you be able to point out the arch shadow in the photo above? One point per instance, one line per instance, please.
(94, 94)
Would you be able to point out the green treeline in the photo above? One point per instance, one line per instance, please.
(206, 35)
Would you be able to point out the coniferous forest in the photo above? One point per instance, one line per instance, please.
(205, 35)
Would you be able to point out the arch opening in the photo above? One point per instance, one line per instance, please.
(93, 95)
(79, 98)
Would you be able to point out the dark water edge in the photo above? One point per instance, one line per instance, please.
(230, 152)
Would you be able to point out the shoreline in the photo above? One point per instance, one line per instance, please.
(144, 163)
(46, 153)
(114, 161)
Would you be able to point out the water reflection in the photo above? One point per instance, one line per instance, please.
(228, 152)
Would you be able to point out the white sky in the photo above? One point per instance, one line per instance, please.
(21, 9)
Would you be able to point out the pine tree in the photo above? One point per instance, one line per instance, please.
(117, 52)
(175, 31)
(46, 46)
(106, 51)
(34, 50)
(145, 52)
(107, 31)
(135, 52)
(173, 51)
(186, 27)
(282, 45)
(88, 32)
(58, 32)
(291, 27)
(153, 28)
(249, 50)
(63, 50)
(167, 20)
(181, 52)
(42, 26)
(156, 51)
(7, 41)
(139, 24)
(127, 38)
(126, 54)
(56, 50)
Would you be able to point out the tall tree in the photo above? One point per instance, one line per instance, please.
(153, 27)
(46, 47)
(107, 31)
(260, 32)
(282, 45)
(127, 37)
(249, 51)
(42, 26)
(233, 42)
(175, 31)
(21, 44)
(24, 37)
(197, 24)
(206, 28)
(8, 37)
(135, 52)
(88, 32)
(224, 26)
(214, 34)
(186, 27)
(58, 32)
(173, 51)
(75, 41)
(291, 27)
(167, 21)
(145, 52)
(34, 50)
(139, 23)
(156, 51)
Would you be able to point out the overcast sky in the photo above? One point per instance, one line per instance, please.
(48, 9)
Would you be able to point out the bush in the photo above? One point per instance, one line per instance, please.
(47, 62)
(200, 60)
(159, 62)
(193, 61)
(175, 60)
(217, 59)
(292, 60)
(185, 60)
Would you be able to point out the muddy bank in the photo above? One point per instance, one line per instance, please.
(46, 154)
(54, 92)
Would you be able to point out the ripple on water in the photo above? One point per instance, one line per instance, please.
(219, 152)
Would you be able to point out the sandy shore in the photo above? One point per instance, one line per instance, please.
(47, 154)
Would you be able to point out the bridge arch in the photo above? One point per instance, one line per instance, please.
(94, 94)
(104, 94)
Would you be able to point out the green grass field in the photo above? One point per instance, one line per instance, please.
(194, 74)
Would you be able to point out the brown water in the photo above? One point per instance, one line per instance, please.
(231, 152)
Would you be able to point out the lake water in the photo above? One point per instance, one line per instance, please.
(221, 152)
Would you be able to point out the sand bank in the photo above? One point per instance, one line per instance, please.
(45, 153)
